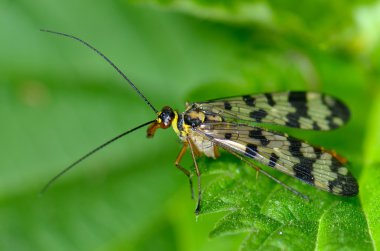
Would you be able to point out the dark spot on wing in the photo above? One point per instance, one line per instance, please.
(258, 134)
(347, 183)
(316, 126)
(318, 152)
(299, 101)
(251, 150)
(293, 120)
(273, 160)
(250, 101)
(303, 170)
(227, 105)
(258, 115)
(270, 100)
(295, 146)
(297, 97)
(338, 110)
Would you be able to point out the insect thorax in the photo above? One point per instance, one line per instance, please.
(193, 117)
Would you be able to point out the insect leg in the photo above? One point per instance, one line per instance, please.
(185, 171)
(198, 208)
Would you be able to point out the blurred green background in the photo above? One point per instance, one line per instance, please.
(58, 100)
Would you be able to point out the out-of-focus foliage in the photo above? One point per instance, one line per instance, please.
(58, 100)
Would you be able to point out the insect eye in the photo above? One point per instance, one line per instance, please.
(167, 115)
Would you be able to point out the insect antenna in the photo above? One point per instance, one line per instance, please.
(108, 60)
(46, 187)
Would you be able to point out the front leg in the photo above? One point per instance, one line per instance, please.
(184, 170)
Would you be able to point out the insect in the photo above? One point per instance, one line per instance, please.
(234, 125)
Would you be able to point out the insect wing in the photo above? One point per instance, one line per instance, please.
(289, 155)
(305, 110)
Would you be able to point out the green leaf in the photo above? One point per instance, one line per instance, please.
(370, 178)
(274, 218)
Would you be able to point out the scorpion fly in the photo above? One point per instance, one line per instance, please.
(234, 125)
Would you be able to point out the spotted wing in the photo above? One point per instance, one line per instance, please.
(289, 155)
(305, 110)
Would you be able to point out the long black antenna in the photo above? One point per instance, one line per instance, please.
(108, 60)
(91, 153)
